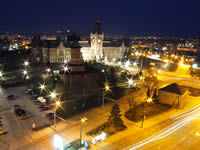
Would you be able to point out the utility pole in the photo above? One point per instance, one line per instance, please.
(54, 118)
(103, 99)
(143, 115)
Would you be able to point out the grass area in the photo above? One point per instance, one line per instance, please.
(150, 109)
(106, 128)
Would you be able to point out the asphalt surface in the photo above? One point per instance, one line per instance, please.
(19, 131)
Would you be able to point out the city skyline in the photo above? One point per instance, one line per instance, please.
(129, 18)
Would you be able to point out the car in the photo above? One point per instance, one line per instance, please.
(2, 132)
(34, 96)
(35, 91)
(39, 103)
(36, 100)
(15, 107)
(50, 116)
(22, 117)
(11, 97)
(20, 112)
(44, 108)
(27, 91)
(43, 105)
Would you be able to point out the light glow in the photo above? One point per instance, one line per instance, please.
(53, 95)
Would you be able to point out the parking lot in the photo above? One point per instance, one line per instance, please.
(19, 131)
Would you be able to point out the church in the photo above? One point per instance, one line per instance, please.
(59, 51)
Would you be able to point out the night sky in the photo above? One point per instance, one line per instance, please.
(127, 17)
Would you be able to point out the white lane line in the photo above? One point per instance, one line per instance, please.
(166, 131)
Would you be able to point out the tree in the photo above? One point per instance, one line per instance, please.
(115, 118)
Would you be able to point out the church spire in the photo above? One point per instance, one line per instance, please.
(97, 28)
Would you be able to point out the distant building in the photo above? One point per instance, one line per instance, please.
(58, 51)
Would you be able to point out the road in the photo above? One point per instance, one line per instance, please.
(183, 134)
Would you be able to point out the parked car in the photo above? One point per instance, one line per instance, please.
(44, 108)
(35, 91)
(20, 112)
(43, 105)
(2, 132)
(28, 91)
(50, 116)
(39, 103)
(11, 97)
(34, 96)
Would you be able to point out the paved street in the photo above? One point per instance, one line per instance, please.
(20, 135)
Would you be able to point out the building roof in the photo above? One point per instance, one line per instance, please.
(174, 88)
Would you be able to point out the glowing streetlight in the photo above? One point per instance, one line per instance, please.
(127, 63)
(119, 63)
(149, 100)
(27, 77)
(57, 103)
(1, 74)
(135, 64)
(26, 63)
(142, 78)
(48, 70)
(25, 72)
(84, 119)
(42, 86)
(66, 68)
(106, 88)
(53, 95)
(130, 82)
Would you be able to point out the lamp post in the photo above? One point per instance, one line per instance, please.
(57, 104)
(84, 119)
(106, 88)
(26, 63)
(42, 86)
(149, 100)
(54, 116)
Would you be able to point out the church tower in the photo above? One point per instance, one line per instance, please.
(97, 37)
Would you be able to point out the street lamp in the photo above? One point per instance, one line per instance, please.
(84, 119)
(1, 74)
(53, 95)
(27, 77)
(57, 104)
(48, 70)
(42, 87)
(149, 100)
(106, 88)
(25, 72)
(130, 82)
(66, 68)
(26, 63)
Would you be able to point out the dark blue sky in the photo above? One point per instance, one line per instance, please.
(169, 17)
